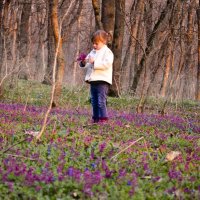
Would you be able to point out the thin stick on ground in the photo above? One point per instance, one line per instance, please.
(10, 147)
(145, 144)
(115, 156)
(19, 156)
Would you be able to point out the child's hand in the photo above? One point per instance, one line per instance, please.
(83, 62)
(91, 60)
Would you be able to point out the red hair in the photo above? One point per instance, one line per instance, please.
(100, 36)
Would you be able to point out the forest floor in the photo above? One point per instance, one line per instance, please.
(133, 156)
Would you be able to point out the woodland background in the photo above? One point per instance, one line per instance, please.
(156, 44)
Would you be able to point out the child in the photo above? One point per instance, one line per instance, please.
(99, 74)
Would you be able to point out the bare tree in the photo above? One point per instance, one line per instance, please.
(117, 47)
(150, 44)
(41, 26)
(1, 35)
(136, 15)
(198, 66)
(60, 56)
(24, 29)
(4, 10)
(167, 68)
(97, 13)
(189, 44)
(50, 45)
(108, 15)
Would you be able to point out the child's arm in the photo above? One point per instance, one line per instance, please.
(104, 62)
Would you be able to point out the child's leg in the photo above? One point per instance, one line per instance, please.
(102, 97)
(94, 102)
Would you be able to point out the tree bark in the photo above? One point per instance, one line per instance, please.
(97, 14)
(60, 56)
(198, 66)
(41, 24)
(108, 16)
(166, 88)
(148, 18)
(167, 70)
(1, 9)
(1, 37)
(24, 27)
(50, 45)
(5, 29)
(10, 32)
(117, 47)
(189, 40)
(77, 49)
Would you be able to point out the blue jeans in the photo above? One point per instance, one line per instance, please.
(99, 91)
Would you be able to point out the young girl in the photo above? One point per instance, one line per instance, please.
(99, 74)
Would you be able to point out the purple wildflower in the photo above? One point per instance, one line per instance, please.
(108, 172)
(70, 171)
(133, 183)
(102, 146)
(10, 185)
(38, 188)
(171, 190)
(81, 57)
(93, 165)
(91, 179)
(175, 175)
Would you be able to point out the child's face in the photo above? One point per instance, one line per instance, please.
(98, 45)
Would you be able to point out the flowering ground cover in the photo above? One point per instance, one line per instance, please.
(134, 156)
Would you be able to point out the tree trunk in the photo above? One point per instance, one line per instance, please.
(14, 43)
(77, 49)
(12, 30)
(198, 66)
(1, 36)
(50, 46)
(23, 37)
(117, 47)
(108, 15)
(20, 39)
(6, 30)
(97, 13)
(166, 88)
(1, 9)
(167, 70)
(189, 40)
(136, 16)
(1, 45)
(40, 64)
(181, 42)
(60, 56)
(148, 18)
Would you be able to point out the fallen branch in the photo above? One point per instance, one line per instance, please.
(114, 157)
(13, 145)
(145, 144)
(14, 155)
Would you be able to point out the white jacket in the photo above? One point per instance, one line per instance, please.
(102, 68)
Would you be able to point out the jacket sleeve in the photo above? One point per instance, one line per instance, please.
(81, 64)
(105, 61)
